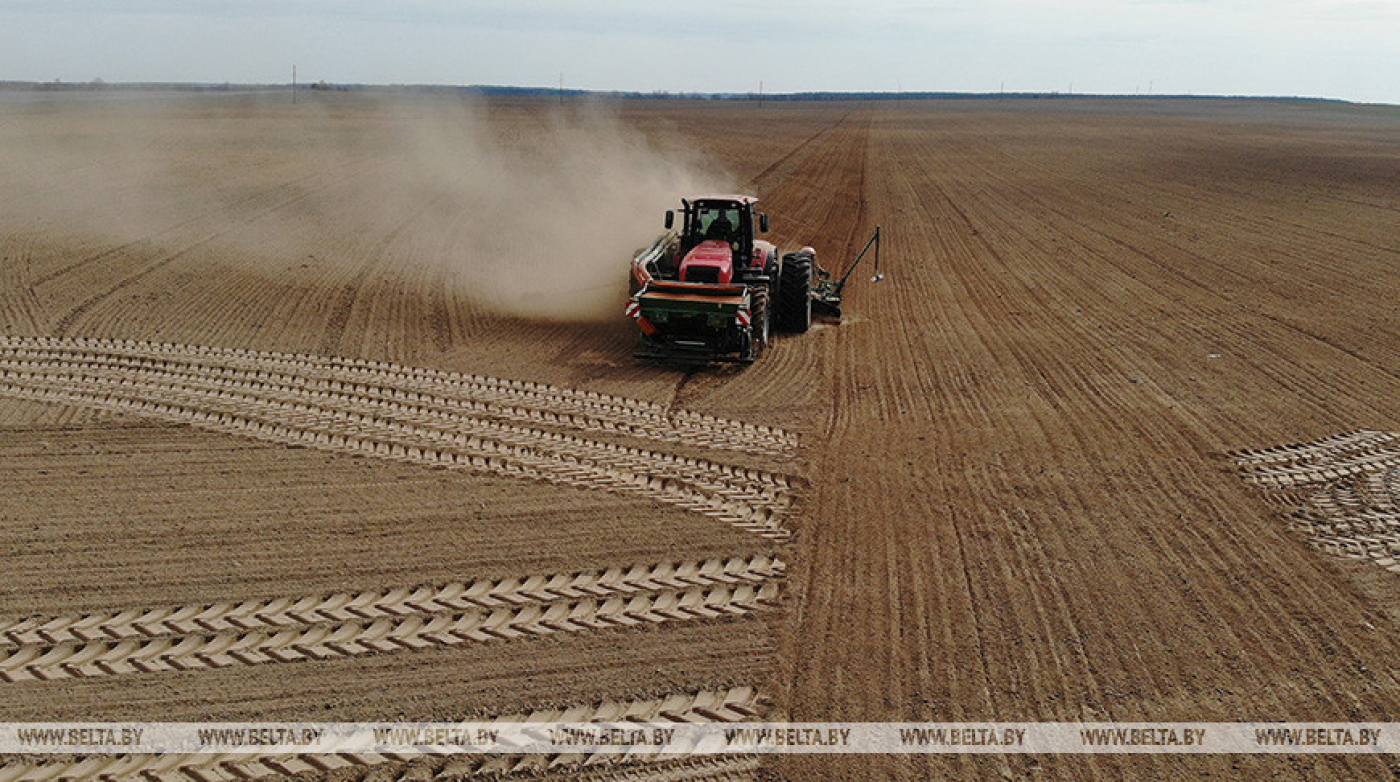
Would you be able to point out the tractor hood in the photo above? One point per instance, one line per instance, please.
(710, 261)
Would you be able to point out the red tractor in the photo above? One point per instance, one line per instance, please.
(713, 291)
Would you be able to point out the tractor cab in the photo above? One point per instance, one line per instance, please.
(717, 239)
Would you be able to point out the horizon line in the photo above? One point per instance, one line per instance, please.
(97, 85)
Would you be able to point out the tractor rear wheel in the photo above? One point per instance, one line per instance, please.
(759, 314)
(793, 308)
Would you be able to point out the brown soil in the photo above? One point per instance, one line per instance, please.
(1021, 501)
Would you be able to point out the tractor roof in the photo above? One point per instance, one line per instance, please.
(743, 199)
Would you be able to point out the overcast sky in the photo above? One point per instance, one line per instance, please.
(1348, 49)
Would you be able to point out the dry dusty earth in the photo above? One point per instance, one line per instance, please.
(268, 453)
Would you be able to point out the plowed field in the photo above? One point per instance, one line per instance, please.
(1115, 440)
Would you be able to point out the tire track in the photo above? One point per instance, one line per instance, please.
(535, 401)
(269, 406)
(706, 706)
(489, 594)
(366, 390)
(712, 768)
(1316, 449)
(358, 406)
(291, 629)
(1322, 461)
(708, 493)
(1342, 492)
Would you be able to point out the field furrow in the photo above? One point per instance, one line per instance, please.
(19, 308)
(255, 209)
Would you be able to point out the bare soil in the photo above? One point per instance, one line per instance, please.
(1012, 497)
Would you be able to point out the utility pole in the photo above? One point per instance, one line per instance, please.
(561, 88)
(294, 83)
(760, 93)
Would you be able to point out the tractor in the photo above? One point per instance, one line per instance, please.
(712, 291)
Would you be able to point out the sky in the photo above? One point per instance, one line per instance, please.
(1343, 49)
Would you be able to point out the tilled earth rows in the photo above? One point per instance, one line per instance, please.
(249, 476)
(427, 418)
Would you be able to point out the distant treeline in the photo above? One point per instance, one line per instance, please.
(551, 92)
(133, 86)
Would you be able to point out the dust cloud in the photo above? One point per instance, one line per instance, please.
(544, 215)
(527, 210)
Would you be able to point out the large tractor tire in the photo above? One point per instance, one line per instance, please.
(792, 312)
(760, 317)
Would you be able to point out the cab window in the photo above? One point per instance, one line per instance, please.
(716, 222)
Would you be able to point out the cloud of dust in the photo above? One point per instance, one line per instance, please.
(543, 215)
(525, 210)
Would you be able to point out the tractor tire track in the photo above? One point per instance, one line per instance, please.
(291, 629)
(1323, 461)
(252, 404)
(755, 509)
(363, 399)
(520, 400)
(373, 406)
(1342, 492)
(632, 767)
(704, 768)
(706, 706)
(431, 448)
(485, 593)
